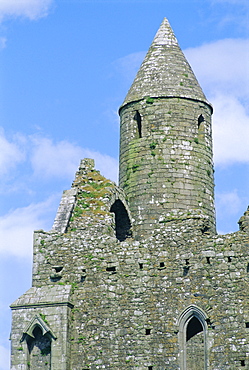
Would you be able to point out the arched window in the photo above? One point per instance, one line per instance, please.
(39, 350)
(193, 339)
(122, 221)
(201, 127)
(138, 119)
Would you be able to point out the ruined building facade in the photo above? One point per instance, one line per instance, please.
(135, 276)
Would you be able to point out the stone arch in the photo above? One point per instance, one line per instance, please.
(122, 220)
(193, 339)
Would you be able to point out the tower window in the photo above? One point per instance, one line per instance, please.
(138, 119)
(201, 127)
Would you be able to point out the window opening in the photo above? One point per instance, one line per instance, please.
(201, 127)
(194, 327)
(122, 221)
(193, 339)
(111, 269)
(229, 259)
(58, 268)
(39, 350)
(141, 266)
(147, 331)
(162, 264)
(208, 260)
(138, 119)
(247, 324)
(242, 363)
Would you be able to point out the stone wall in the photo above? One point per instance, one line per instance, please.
(128, 296)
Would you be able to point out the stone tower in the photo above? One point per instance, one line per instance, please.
(135, 277)
(165, 140)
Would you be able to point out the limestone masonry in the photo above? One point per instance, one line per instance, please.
(135, 276)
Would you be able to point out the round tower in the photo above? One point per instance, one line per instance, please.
(166, 160)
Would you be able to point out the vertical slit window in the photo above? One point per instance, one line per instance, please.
(201, 127)
(137, 118)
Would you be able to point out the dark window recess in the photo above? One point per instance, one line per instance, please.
(55, 278)
(208, 260)
(194, 327)
(247, 324)
(162, 264)
(229, 259)
(242, 363)
(247, 267)
(200, 120)
(122, 221)
(111, 269)
(58, 268)
(39, 348)
(187, 261)
(150, 367)
(83, 278)
(141, 266)
(185, 270)
(147, 331)
(138, 119)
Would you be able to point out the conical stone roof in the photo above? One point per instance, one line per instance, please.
(165, 71)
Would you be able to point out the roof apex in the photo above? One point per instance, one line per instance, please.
(165, 72)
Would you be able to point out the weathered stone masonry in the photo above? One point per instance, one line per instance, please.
(135, 277)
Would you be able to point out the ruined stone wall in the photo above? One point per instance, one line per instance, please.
(128, 296)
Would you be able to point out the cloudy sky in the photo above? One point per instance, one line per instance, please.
(65, 67)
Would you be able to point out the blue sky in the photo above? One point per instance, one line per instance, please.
(65, 68)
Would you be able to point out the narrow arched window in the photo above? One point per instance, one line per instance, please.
(137, 118)
(39, 350)
(193, 339)
(201, 127)
(122, 221)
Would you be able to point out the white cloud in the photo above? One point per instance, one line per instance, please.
(223, 72)
(230, 131)
(16, 227)
(222, 66)
(51, 160)
(4, 358)
(32, 9)
(229, 202)
(10, 154)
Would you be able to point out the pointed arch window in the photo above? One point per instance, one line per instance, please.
(38, 337)
(138, 119)
(39, 350)
(193, 339)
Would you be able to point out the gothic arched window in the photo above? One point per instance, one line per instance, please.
(193, 339)
(39, 350)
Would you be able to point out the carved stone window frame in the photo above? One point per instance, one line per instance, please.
(184, 319)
